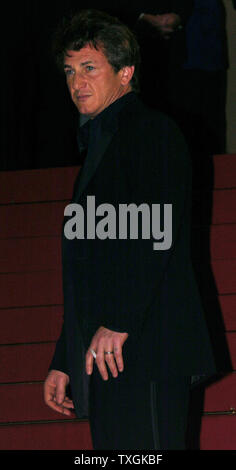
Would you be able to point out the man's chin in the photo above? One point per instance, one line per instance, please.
(84, 110)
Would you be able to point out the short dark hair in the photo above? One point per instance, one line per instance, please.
(101, 31)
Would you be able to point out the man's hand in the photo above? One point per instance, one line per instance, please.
(103, 341)
(55, 392)
(166, 24)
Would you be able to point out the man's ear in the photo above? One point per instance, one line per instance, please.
(127, 74)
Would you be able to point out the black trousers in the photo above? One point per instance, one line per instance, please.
(150, 415)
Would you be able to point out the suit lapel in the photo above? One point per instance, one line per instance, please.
(98, 144)
(97, 149)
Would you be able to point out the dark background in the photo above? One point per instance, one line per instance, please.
(38, 125)
(38, 118)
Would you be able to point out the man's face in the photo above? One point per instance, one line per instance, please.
(92, 82)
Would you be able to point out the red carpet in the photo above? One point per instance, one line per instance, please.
(31, 212)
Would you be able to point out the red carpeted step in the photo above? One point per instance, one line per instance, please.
(231, 341)
(218, 432)
(215, 242)
(32, 288)
(225, 171)
(223, 241)
(228, 308)
(220, 395)
(49, 184)
(32, 220)
(224, 203)
(30, 254)
(24, 402)
(25, 363)
(31, 324)
(225, 275)
(50, 436)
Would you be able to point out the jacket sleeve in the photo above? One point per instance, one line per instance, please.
(59, 361)
(162, 175)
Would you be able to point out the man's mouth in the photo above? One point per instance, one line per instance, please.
(82, 97)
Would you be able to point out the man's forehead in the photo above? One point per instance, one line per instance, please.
(87, 53)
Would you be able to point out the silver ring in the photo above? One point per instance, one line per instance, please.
(108, 352)
(93, 353)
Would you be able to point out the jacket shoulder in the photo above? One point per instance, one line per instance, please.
(137, 115)
(151, 144)
(151, 128)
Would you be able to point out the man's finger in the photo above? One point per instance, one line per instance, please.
(68, 403)
(118, 356)
(100, 360)
(60, 391)
(49, 392)
(109, 358)
(50, 397)
(90, 356)
(60, 408)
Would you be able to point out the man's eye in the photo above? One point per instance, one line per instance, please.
(89, 68)
(68, 72)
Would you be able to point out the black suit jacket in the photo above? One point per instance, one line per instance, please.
(125, 285)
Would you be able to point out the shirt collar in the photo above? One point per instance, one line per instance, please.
(114, 107)
(102, 119)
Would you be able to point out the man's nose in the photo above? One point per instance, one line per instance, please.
(78, 81)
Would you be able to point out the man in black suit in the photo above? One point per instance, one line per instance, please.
(134, 336)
